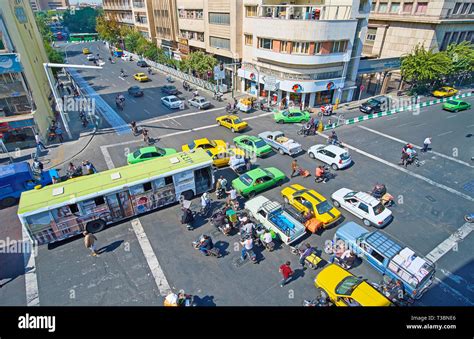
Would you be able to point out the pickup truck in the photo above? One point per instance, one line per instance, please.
(199, 102)
(280, 143)
(274, 217)
(389, 257)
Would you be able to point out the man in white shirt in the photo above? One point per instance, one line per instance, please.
(232, 195)
(426, 144)
(247, 246)
(267, 237)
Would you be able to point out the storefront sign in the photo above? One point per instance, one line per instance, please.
(183, 46)
(297, 88)
(330, 86)
(252, 76)
(10, 63)
(270, 83)
(378, 65)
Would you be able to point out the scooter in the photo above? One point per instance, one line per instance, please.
(214, 251)
(219, 221)
(328, 175)
(218, 96)
(321, 301)
(334, 142)
(469, 218)
(311, 260)
(221, 194)
(169, 79)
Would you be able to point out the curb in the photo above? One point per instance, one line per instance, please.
(352, 121)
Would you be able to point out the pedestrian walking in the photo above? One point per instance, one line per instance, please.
(286, 272)
(294, 167)
(146, 138)
(247, 245)
(59, 134)
(90, 168)
(39, 143)
(89, 242)
(426, 144)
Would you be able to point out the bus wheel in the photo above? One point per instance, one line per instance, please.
(95, 226)
(7, 202)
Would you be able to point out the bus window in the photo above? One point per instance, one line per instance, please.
(99, 201)
(203, 180)
(147, 186)
(169, 180)
(73, 208)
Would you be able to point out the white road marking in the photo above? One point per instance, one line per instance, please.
(470, 125)
(147, 111)
(183, 115)
(419, 147)
(445, 133)
(452, 116)
(151, 259)
(453, 291)
(401, 169)
(107, 157)
(392, 118)
(31, 280)
(450, 242)
(408, 123)
(122, 78)
(176, 122)
(133, 100)
(204, 127)
(418, 125)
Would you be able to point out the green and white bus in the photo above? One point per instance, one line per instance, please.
(74, 37)
(65, 209)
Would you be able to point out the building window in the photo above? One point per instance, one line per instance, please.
(456, 8)
(371, 34)
(421, 7)
(383, 7)
(300, 48)
(470, 36)
(250, 11)
(249, 39)
(471, 10)
(444, 43)
(219, 43)
(372, 6)
(465, 8)
(219, 18)
(285, 47)
(454, 38)
(462, 36)
(407, 7)
(339, 46)
(317, 47)
(395, 7)
(265, 43)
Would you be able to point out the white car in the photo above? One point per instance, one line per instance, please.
(90, 57)
(334, 156)
(171, 101)
(199, 102)
(363, 206)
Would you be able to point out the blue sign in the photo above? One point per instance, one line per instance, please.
(10, 63)
(378, 65)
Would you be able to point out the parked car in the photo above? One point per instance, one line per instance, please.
(206, 144)
(444, 92)
(148, 153)
(364, 206)
(280, 143)
(86, 51)
(455, 105)
(171, 101)
(135, 91)
(336, 157)
(142, 63)
(169, 89)
(375, 105)
(90, 57)
(141, 77)
(253, 144)
(199, 102)
(345, 289)
(291, 115)
(232, 122)
(257, 180)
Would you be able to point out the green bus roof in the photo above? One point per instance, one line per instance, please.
(73, 189)
(83, 34)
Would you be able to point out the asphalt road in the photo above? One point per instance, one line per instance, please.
(432, 200)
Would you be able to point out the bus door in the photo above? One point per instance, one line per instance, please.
(120, 205)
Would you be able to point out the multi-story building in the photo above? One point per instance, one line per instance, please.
(308, 51)
(136, 13)
(166, 24)
(119, 11)
(44, 5)
(25, 96)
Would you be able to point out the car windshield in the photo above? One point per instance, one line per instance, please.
(160, 151)
(269, 174)
(348, 285)
(136, 154)
(237, 121)
(192, 145)
(260, 143)
(285, 113)
(379, 208)
(452, 102)
(246, 180)
(345, 156)
(373, 102)
(349, 195)
(212, 143)
(172, 99)
(323, 207)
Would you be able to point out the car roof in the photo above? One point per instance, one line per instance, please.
(256, 173)
(309, 194)
(198, 97)
(147, 149)
(367, 198)
(170, 97)
(140, 74)
(335, 149)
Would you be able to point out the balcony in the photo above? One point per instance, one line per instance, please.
(138, 4)
(117, 7)
(304, 12)
(301, 59)
(125, 20)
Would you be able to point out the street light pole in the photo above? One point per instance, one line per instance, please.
(47, 69)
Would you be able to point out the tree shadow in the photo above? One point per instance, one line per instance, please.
(111, 247)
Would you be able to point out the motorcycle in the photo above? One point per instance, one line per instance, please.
(328, 175)
(413, 159)
(380, 192)
(311, 260)
(326, 110)
(321, 301)
(214, 251)
(205, 210)
(395, 294)
(219, 221)
(221, 194)
(218, 96)
(334, 142)
(469, 218)
(306, 132)
(169, 79)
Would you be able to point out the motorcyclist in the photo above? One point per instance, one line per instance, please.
(149, 70)
(195, 93)
(307, 252)
(134, 127)
(228, 107)
(122, 73)
(205, 244)
(333, 139)
(320, 173)
(307, 128)
(185, 85)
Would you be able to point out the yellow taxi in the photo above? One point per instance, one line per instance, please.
(309, 201)
(444, 92)
(86, 51)
(141, 77)
(345, 289)
(221, 157)
(232, 122)
(206, 144)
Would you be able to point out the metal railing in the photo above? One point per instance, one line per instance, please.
(304, 12)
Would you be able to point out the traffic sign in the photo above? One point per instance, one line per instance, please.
(362, 87)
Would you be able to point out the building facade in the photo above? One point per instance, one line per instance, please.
(166, 25)
(119, 11)
(25, 96)
(306, 53)
(44, 5)
(132, 13)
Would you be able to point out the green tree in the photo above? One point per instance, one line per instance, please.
(199, 62)
(423, 68)
(132, 38)
(53, 55)
(108, 29)
(81, 21)
(462, 60)
(42, 23)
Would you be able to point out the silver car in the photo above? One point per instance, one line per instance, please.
(171, 101)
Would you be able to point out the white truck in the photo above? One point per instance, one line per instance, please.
(280, 143)
(274, 217)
